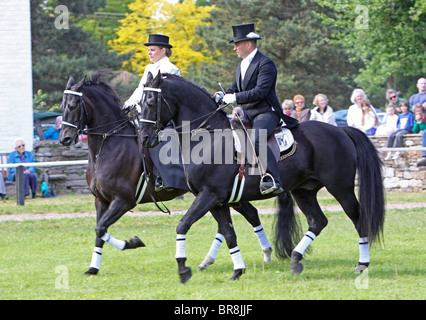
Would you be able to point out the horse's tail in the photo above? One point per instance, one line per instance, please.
(371, 190)
(287, 228)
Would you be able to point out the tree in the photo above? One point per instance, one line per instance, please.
(293, 37)
(59, 52)
(386, 36)
(179, 21)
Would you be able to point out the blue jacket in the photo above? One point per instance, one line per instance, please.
(408, 119)
(14, 157)
(52, 133)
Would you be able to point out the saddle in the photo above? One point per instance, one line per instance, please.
(281, 142)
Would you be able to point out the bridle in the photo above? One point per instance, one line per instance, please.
(157, 122)
(160, 98)
(83, 108)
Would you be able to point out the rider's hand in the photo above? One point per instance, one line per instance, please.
(229, 98)
(129, 103)
(218, 96)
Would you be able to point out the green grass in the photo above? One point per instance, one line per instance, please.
(31, 252)
(85, 203)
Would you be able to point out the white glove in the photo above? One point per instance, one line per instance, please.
(217, 96)
(229, 98)
(129, 103)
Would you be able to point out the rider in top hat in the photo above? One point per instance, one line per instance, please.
(159, 51)
(254, 89)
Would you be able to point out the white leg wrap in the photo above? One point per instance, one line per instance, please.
(214, 249)
(180, 246)
(119, 244)
(305, 242)
(364, 251)
(237, 258)
(96, 258)
(261, 236)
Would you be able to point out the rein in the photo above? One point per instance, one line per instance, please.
(157, 123)
(121, 123)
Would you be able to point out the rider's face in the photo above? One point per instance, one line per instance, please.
(243, 48)
(156, 53)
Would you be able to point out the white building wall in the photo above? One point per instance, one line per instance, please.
(16, 106)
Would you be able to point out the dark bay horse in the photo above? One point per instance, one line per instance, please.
(326, 156)
(115, 165)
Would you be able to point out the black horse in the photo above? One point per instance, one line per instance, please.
(114, 172)
(326, 156)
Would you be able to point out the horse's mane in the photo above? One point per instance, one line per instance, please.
(192, 84)
(97, 80)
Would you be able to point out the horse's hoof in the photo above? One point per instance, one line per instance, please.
(360, 268)
(267, 255)
(207, 261)
(185, 274)
(92, 272)
(237, 274)
(134, 243)
(296, 267)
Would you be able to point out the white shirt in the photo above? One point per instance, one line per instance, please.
(164, 66)
(355, 115)
(327, 116)
(246, 62)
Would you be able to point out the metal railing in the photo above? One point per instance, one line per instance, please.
(19, 175)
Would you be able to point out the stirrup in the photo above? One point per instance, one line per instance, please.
(262, 182)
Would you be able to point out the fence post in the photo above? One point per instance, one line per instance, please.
(20, 186)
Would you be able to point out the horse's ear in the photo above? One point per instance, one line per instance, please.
(157, 79)
(149, 77)
(70, 83)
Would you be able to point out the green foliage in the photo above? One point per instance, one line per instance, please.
(293, 37)
(386, 36)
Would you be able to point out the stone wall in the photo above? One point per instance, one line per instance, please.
(403, 174)
(64, 178)
(399, 175)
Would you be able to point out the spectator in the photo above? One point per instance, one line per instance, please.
(2, 187)
(389, 123)
(420, 126)
(303, 111)
(393, 99)
(322, 112)
(357, 116)
(370, 120)
(421, 96)
(22, 156)
(53, 132)
(354, 117)
(288, 107)
(404, 126)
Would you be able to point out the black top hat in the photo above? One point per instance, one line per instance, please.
(243, 32)
(158, 40)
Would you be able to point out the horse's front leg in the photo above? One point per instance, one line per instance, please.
(105, 218)
(204, 202)
(222, 215)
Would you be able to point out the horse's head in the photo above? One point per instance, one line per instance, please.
(73, 107)
(156, 111)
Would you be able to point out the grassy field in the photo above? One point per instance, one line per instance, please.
(45, 259)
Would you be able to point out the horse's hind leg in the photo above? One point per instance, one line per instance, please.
(308, 204)
(350, 205)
